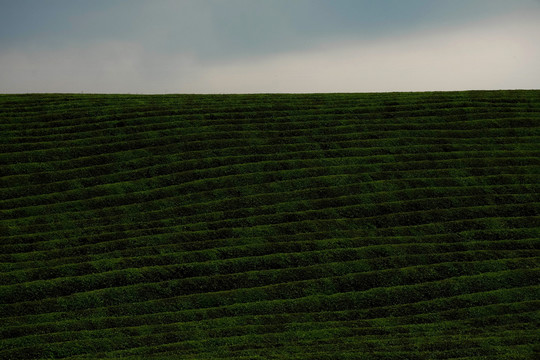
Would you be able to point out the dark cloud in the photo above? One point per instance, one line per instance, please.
(172, 46)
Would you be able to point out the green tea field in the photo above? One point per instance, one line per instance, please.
(276, 226)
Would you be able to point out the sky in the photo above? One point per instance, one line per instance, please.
(267, 46)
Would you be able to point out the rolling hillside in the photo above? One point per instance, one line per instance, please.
(322, 226)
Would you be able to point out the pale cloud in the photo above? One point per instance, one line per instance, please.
(502, 52)
(111, 67)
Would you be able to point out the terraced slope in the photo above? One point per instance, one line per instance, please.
(332, 226)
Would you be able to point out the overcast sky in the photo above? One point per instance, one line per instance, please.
(246, 46)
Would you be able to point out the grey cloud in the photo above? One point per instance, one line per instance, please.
(500, 53)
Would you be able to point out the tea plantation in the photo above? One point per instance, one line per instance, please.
(313, 226)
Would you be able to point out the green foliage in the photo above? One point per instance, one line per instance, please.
(315, 226)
